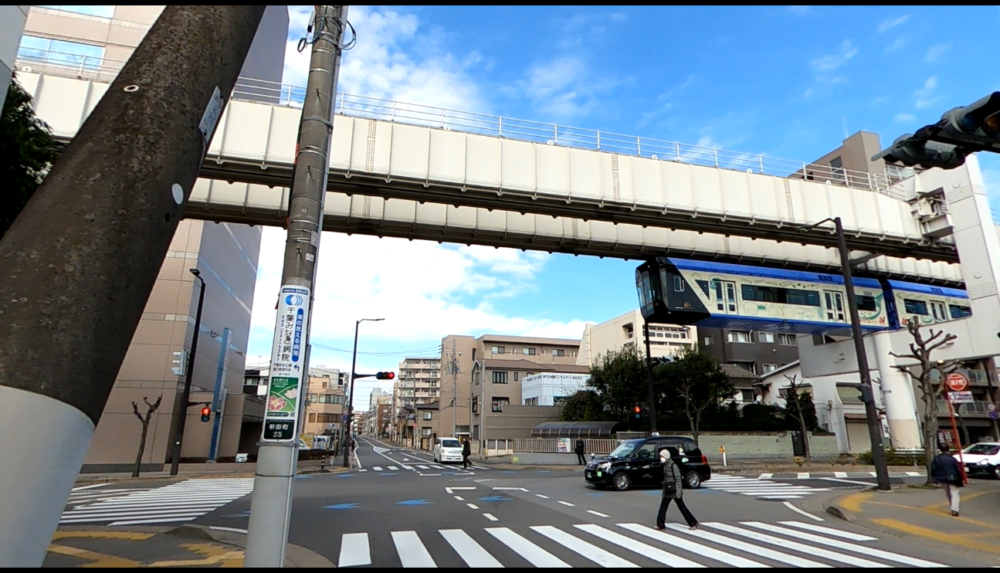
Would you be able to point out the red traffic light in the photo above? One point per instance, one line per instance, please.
(638, 409)
(385, 375)
(206, 414)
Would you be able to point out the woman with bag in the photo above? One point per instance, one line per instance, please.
(673, 487)
(946, 472)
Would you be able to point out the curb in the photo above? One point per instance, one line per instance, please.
(837, 511)
(295, 555)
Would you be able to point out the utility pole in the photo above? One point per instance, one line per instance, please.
(115, 195)
(454, 389)
(277, 459)
(649, 381)
(181, 405)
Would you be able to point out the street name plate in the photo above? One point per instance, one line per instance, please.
(960, 397)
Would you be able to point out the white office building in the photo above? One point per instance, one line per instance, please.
(550, 389)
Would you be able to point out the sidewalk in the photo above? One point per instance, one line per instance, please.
(917, 511)
(185, 546)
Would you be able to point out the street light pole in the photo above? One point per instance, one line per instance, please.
(180, 413)
(350, 399)
(649, 380)
(871, 415)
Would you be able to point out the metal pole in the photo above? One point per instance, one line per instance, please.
(958, 442)
(180, 411)
(218, 397)
(874, 424)
(454, 387)
(350, 399)
(649, 380)
(115, 194)
(278, 455)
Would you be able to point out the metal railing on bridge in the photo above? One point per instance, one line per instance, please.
(250, 89)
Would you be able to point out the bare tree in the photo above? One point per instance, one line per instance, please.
(920, 351)
(793, 392)
(150, 408)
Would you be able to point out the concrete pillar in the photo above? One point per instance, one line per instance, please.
(897, 395)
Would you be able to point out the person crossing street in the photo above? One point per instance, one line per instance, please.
(673, 487)
(466, 452)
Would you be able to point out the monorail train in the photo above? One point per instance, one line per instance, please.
(710, 294)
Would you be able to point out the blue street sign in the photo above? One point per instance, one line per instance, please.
(994, 415)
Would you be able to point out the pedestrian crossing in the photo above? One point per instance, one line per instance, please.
(742, 544)
(179, 502)
(421, 468)
(757, 487)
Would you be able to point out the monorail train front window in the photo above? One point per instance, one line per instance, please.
(959, 311)
(678, 284)
(915, 307)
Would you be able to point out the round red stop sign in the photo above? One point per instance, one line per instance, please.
(957, 382)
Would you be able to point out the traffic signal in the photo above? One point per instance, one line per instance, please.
(866, 394)
(206, 414)
(981, 118)
(385, 375)
(638, 412)
(910, 151)
(180, 363)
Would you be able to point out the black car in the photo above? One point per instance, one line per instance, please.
(637, 463)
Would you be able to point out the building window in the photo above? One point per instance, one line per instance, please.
(786, 339)
(312, 418)
(766, 337)
(60, 52)
(515, 377)
(529, 351)
(498, 350)
(475, 405)
(750, 367)
(425, 432)
(739, 336)
(629, 331)
(101, 11)
(708, 340)
(558, 352)
(770, 368)
(499, 402)
(746, 395)
(499, 377)
(428, 415)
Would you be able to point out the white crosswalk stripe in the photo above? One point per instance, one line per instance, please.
(179, 502)
(744, 544)
(759, 487)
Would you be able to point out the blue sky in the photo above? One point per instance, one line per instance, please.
(786, 82)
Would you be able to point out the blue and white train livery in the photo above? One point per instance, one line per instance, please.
(710, 294)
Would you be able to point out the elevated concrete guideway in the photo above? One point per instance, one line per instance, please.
(415, 181)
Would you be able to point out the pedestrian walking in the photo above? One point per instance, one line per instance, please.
(580, 460)
(673, 488)
(466, 452)
(946, 472)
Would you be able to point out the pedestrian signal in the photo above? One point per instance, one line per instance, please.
(206, 414)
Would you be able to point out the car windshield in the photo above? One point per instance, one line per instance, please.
(450, 444)
(983, 449)
(625, 448)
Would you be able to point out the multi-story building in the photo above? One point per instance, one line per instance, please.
(626, 331)
(93, 42)
(325, 402)
(748, 356)
(551, 388)
(419, 382)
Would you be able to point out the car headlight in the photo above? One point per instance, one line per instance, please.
(604, 466)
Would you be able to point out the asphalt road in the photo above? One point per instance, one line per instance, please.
(425, 516)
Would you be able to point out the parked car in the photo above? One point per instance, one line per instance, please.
(982, 458)
(447, 450)
(637, 463)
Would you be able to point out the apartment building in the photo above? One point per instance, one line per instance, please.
(626, 331)
(325, 401)
(418, 383)
(93, 42)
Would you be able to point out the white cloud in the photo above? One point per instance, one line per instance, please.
(834, 61)
(904, 118)
(381, 63)
(892, 23)
(562, 87)
(925, 95)
(895, 46)
(934, 53)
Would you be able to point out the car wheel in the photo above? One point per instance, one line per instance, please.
(622, 481)
(692, 480)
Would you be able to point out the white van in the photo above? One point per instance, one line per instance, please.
(447, 450)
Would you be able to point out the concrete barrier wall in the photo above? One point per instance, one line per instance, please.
(750, 446)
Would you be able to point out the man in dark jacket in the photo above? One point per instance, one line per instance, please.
(580, 460)
(466, 452)
(673, 488)
(946, 472)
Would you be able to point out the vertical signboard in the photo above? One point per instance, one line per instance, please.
(288, 363)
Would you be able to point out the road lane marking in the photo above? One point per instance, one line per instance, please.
(805, 513)
(526, 549)
(411, 550)
(423, 467)
(354, 550)
(510, 488)
(864, 550)
(472, 506)
(639, 547)
(786, 544)
(471, 552)
(377, 468)
(567, 503)
(829, 531)
(747, 547)
(542, 496)
(841, 480)
(688, 545)
(451, 490)
(597, 513)
(393, 468)
(588, 550)
(490, 517)
(406, 467)
(459, 498)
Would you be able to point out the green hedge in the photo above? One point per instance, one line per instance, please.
(894, 458)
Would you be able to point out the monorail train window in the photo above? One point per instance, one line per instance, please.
(865, 302)
(678, 284)
(780, 295)
(703, 285)
(959, 311)
(915, 307)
